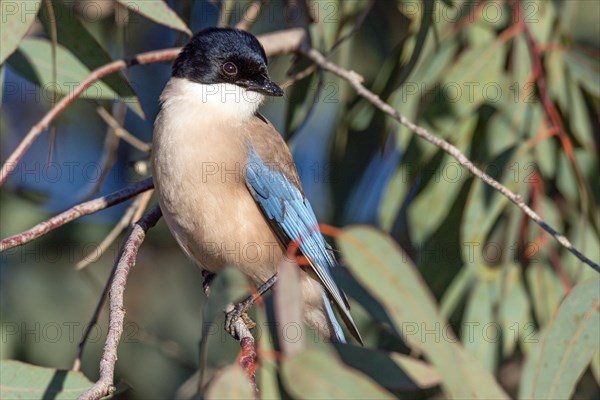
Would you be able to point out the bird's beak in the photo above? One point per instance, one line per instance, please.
(263, 85)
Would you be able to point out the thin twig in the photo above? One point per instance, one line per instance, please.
(356, 81)
(121, 132)
(109, 154)
(136, 209)
(86, 208)
(124, 222)
(125, 262)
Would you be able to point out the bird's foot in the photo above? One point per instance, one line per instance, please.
(234, 312)
(248, 321)
(234, 315)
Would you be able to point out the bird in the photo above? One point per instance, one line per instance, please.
(226, 181)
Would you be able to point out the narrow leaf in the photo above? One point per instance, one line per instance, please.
(33, 61)
(391, 279)
(26, 381)
(567, 346)
(316, 374)
(230, 383)
(15, 20)
(159, 12)
(76, 38)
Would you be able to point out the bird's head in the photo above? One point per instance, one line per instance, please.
(226, 56)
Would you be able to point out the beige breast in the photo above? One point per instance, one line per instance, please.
(198, 168)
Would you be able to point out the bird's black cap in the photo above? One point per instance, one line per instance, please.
(225, 55)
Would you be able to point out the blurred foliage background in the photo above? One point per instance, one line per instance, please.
(456, 293)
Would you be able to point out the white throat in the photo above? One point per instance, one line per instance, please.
(221, 100)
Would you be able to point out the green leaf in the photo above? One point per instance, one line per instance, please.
(317, 374)
(515, 313)
(287, 301)
(481, 334)
(26, 381)
(17, 17)
(567, 346)
(546, 290)
(392, 280)
(476, 77)
(447, 181)
(159, 12)
(33, 61)
(267, 367)
(479, 218)
(230, 383)
(393, 371)
(460, 284)
(584, 70)
(217, 349)
(76, 38)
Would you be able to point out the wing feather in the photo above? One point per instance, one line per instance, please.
(289, 212)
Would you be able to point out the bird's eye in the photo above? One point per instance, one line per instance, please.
(229, 68)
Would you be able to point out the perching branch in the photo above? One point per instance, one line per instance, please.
(355, 80)
(125, 262)
(89, 207)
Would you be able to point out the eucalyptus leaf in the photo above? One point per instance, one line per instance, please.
(392, 279)
(17, 18)
(159, 12)
(480, 332)
(76, 38)
(567, 346)
(230, 383)
(26, 381)
(318, 374)
(33, 61)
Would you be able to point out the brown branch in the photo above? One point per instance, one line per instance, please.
(109, 155)
(355, 80)
(129, 216)
(120, 132)
(126, 261)
(89, 207)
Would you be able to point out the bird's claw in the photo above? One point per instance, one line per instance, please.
(232, 315)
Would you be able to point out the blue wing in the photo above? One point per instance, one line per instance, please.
(289, 211)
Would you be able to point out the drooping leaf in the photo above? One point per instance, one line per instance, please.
(567, 346)
(391, 278)
(393, 371)
(318, 374)
(159, 12)
(476, 77)
(288, 307)
(33, 61)
(267, 367)
(26, 381)
(546, 290)
(448, 179)
(17, 17)
(514, 314)
(230, 383)
(584, 69)
(76, 38)
(481, 334)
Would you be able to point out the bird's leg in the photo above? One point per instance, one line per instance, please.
(208, 278)
(233, 313)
